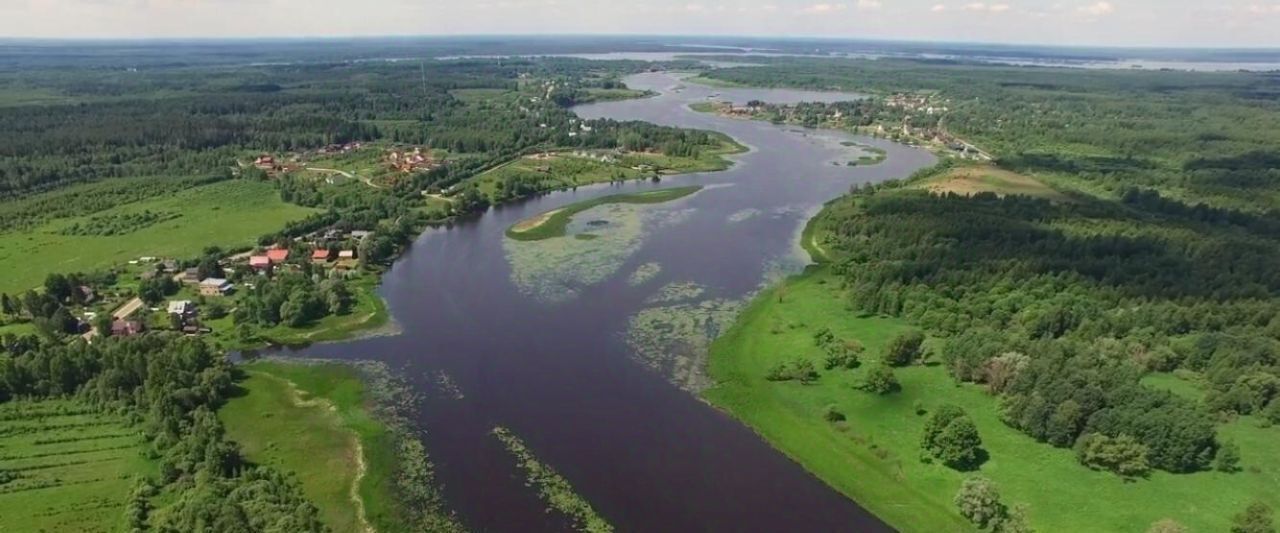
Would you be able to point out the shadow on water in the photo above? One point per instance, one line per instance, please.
(561, 376)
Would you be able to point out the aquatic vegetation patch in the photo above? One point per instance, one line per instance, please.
(552, 487)
(555, 223)
(675, 340)
(446, 387)
(676, 292)
(644, 273)
(556, 270)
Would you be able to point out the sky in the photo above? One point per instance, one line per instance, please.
(1195, 23)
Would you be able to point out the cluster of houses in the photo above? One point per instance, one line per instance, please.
(603, 157)
(915, 102)
(407, 161)
(339, 148)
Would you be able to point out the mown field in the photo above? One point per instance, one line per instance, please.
(874, 456)
(313, 421)
(968, 180)
(72, 468)
(227, 214)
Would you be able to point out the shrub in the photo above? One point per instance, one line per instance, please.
(951, 437)
(834, 415)
(1228, 458)
(904, 349)
(798, 369)
(880, 380)
(1122, 455)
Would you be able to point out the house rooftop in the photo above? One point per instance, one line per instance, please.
(277, 255)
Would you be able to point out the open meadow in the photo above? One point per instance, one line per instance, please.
(229, 214)
(312, 420)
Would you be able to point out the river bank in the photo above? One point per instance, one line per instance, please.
(342, 430)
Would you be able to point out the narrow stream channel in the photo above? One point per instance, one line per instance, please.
(648, 455)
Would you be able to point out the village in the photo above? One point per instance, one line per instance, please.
(917, 119)
(198, 297)
(355, 156)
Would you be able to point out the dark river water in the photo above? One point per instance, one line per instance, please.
(648, 455)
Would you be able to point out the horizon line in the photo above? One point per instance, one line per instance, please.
(463, 36)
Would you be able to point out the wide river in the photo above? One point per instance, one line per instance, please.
(522, 343)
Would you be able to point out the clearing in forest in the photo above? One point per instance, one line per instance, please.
(971, 180)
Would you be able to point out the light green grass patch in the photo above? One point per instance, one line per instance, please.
(967, 180)
(482, 95)
(311, 420)
(228, 214)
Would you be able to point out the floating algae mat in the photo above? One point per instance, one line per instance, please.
(675, 340)
(675, 292)
(558, 269)
(643, 274)
(673, 337)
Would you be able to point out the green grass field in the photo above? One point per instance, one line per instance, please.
(312, 420)
(75, 467)
(227, 214)
(873, 457)
(554, 223)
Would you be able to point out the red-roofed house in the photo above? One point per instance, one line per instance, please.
(321, 255)
(277, 255)
(260, 262)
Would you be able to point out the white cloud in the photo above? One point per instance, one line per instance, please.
(983, 6)
(1097, 9)
(824, 8)
(1264, 9)
(869, 5)
(938, 8)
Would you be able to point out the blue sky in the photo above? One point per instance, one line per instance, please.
(1077, 22)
